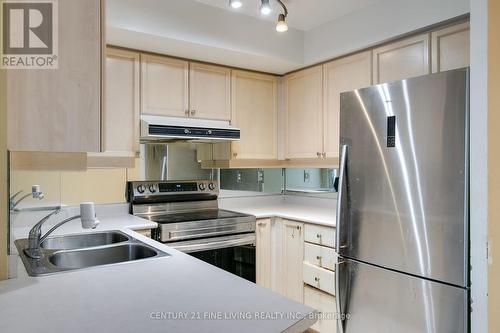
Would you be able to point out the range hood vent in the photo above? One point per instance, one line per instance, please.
(158, 128)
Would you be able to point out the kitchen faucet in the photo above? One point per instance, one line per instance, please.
(35, 193)
(88, 219)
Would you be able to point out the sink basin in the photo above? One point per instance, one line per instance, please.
(77, 259)
(81, 241)
(81, 251)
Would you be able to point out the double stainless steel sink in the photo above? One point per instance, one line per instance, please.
(79, 251)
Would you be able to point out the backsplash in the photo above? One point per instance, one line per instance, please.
(101, 186)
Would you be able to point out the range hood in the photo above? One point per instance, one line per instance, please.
(159, 128)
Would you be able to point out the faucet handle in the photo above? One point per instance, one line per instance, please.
(88, 215)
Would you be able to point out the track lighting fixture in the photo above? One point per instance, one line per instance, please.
(265, 9)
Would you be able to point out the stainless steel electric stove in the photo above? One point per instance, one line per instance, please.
(189, 220)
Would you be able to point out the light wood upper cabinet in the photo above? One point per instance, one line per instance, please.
(209, 91)
(263, 253)
(401, 60)
(59, 110)
(254, 111)
(165, 89)
(451, 48)
(303, 96)
(341, 75)
(292, 257)
(122, 101)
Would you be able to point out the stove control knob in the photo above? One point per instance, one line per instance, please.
(211, 186)
(152, 188)
(141, 189)
(202, 187)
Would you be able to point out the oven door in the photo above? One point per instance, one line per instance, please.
(234, 253)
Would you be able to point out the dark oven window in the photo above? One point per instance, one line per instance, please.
(239, 260)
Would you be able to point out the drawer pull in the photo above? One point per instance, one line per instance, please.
(319, 257)
(318, 235)
(298, 227)
(316, 279)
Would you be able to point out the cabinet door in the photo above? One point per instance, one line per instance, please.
(292, 257)
(325, 304)
(254, 112)
(338, 76)
(209, 92)
(401, 60)
(263, 253)
(303, 94)
(450, 48)
(122, 101)
(59, 110)
(164, 86)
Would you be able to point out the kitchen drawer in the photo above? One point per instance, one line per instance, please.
(319, 235)
(319, 277)
(324, 303)
(320, 256)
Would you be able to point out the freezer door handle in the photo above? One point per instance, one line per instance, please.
(340, 197)
(338, 294)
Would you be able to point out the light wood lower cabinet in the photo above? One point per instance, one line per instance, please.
(320, 235)
(263, 253)
(320, 256)
(292, 254)
(287, 263)
(325, 304)
(319, 278)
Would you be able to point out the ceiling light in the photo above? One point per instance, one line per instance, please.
(265, 8)
(235, 4)
(281, 26)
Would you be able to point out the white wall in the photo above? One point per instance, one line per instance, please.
(479, 164)
(376, 23)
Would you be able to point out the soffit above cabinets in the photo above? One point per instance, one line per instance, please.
(209, 30)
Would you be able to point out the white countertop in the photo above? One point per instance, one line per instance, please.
(126, 297)
(310, 210)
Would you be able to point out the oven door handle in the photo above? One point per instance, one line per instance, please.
(213, 244)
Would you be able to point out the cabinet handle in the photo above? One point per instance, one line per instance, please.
(318, 235)
(316, 279)
(319, 257)
(298, 227)
(235, 154)
(261, 223)
(324, 155)
(193, 112)
(186, 112)
(318, 154)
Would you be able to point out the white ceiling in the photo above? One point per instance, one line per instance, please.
(303, 14)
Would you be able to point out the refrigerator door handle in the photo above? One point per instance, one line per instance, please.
(340, 316)
(340, 195)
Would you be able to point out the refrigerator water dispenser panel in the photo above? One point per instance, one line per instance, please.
(391, 131)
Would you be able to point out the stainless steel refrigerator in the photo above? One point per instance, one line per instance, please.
(402, 210)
